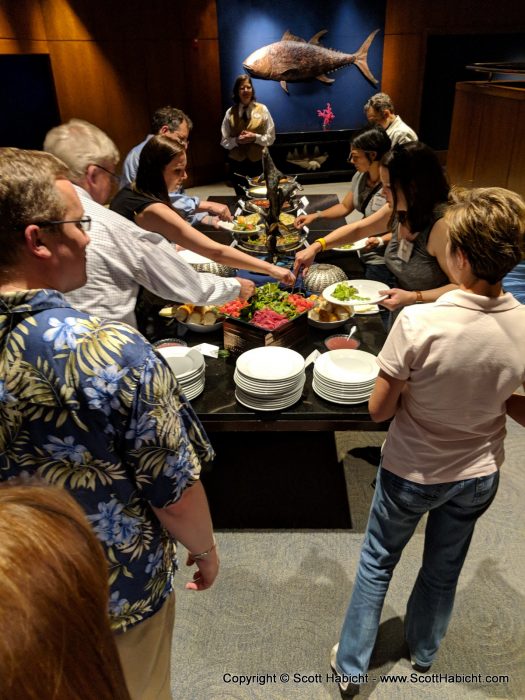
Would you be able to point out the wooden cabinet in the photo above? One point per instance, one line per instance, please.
(487, 139)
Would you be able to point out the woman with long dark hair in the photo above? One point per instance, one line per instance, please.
(246, 129)
(365, 196)
(162, 167)
(416, 191)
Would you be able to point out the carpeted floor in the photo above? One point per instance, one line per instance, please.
(278, 604)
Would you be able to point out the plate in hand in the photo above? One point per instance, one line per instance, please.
(352, 246)
(367, 292)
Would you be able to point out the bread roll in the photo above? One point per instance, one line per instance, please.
(195, 317)
(182, 313)
(209, 318)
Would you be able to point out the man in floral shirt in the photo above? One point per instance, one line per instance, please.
(87, 405)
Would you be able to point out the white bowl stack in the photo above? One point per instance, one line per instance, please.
(345, 376)
(269, 378)
(188, 366)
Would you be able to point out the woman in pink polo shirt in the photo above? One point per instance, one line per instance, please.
(446, 371)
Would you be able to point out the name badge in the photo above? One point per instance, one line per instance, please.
(404, 250)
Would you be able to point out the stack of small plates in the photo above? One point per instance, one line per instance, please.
(188, 366)
(269, 378)
(345, 376)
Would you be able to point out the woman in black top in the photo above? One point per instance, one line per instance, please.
(162, 168)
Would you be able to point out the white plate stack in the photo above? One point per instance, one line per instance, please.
(269, 378)
(345, 376)
(188, 366)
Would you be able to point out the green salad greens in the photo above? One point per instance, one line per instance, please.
(269, 296)
(345, 292)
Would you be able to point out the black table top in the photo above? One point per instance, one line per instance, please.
(219, 410)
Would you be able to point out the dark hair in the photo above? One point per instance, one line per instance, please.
(373, 139)
(170, 117)
(237, 84)
(488, 225)
(53, 600)
(156, 154)
(416, 170)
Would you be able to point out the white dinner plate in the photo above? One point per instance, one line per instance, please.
(367, 310)
(367, 291)
(247, 401)
(268, 388)
(352, 246)
(338, 400)
(270, 362)
(347, 366)
(183, 361)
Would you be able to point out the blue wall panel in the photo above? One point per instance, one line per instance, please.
(246, 25)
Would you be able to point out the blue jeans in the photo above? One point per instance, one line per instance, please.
(396, 509)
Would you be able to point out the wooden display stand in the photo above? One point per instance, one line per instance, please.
(487, 139)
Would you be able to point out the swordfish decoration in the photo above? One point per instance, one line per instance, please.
(293, 60)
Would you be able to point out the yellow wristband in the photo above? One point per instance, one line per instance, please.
(321, 242)
(419, 297)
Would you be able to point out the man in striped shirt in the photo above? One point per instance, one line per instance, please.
(122, 257)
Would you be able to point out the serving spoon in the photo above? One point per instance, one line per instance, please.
(352, 331)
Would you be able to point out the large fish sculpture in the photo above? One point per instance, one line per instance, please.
(293, 60)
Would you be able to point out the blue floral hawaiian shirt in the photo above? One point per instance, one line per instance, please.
(87, 405)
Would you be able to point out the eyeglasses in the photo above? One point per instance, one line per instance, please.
(84, 224)
(113, 175)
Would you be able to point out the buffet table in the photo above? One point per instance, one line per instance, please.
(279, 469)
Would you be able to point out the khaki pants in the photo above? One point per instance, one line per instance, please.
(145, 654)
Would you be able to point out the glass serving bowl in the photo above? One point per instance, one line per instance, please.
(341, 341)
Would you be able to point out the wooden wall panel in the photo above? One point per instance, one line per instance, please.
(21, 20)
(86, 83)
(207, 155)
(114, 63)
(516, 179)
(26, 46)
(401, 52)
(487, 144)
(464, 139)
(496, 141)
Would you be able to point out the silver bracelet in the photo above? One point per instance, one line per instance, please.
(203, 555)
(380, 241)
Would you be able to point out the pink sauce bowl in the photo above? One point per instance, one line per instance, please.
(341, 342)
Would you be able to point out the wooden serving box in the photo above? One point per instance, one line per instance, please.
(240, 336)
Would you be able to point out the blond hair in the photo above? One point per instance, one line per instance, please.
(80, 144)
(488, 225)
(56, 640)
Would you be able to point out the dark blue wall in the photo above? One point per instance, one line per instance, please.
(245, 26)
